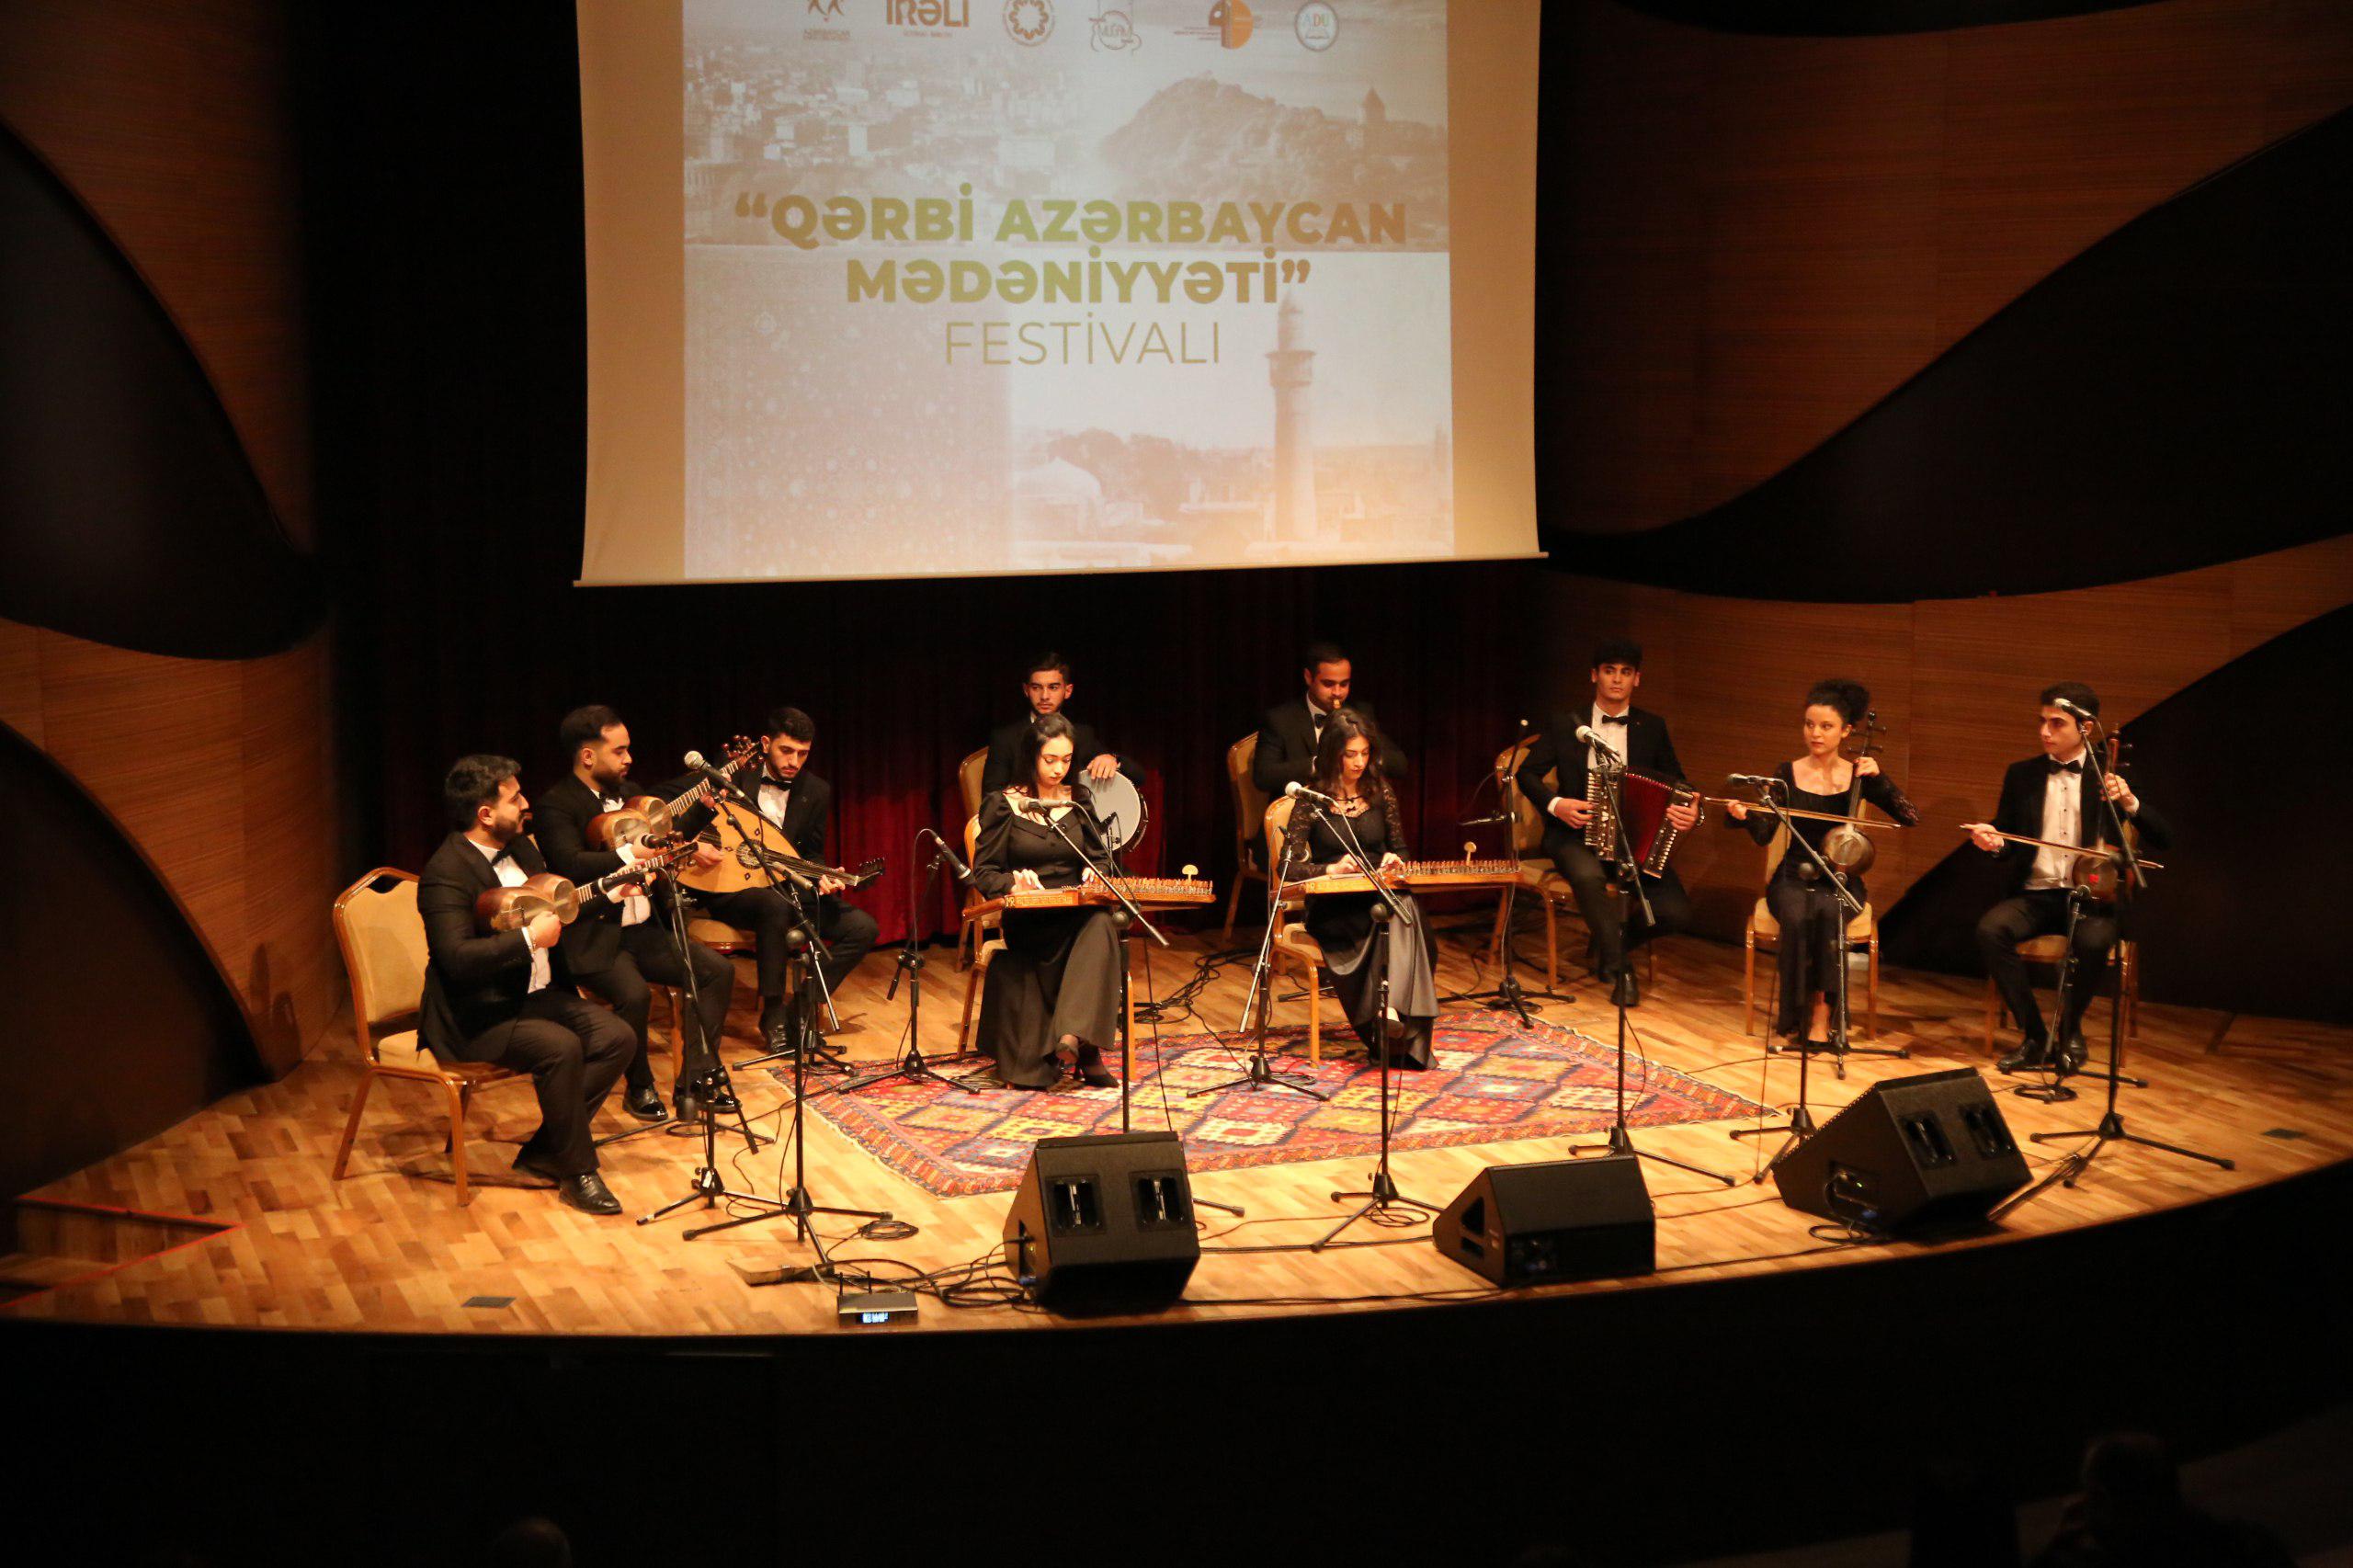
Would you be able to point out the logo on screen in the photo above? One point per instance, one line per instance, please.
(1229, 24)
(824, 8)
(1029, 21)
(927, 12)
(1114, 31)
(1317, 25)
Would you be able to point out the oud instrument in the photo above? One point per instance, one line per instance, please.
(1648, 833)
(1144, 892)
(506, 908)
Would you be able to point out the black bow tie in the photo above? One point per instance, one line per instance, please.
(1613, 718)
(2075, 767)
(505, 852)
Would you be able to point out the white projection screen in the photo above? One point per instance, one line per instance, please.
(948, 287)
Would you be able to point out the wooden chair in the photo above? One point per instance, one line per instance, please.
(2123, 964)
(1540, 876)
(1249, 813)
(1862, 936)
(978, 975)
(720, 937)
(382, 939)
(1292, 941)
(968, 780)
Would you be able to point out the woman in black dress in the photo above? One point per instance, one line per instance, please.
(1051, 998)
(1813, 923)
(1342, 924)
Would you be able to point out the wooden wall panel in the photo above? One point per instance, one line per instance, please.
(1750, 241)
(1955, 681)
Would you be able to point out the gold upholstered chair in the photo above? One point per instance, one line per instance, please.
(2123, 967)
(1249, 813)
(1292, 943)
(1862, 937)
(382, 939)
(969, 931)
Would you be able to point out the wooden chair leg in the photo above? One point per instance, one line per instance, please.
(1232, 907)
(963, 945)
(458, 1095)
(974, 979)
(1748, 983)
(1993, 1010)
(1128, 1024)
(1552, 945)
(1873, 985)
(1315, 1013)
(351, 1122)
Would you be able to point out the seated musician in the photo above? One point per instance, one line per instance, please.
(1813, 921)
(1342, 924)
(1291, 732)
(507, 997)
(2052, 795)
(1639, 738)
(1051, 1000)
(1047, 688)
(617, 946)
(802, 804)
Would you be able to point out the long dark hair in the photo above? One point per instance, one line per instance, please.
(1849, 700)
(1045, 727)
(1345, 725)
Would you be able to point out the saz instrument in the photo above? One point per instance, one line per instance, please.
(505, 908)
(1144, 892)
(1646, 801)
(643, 819)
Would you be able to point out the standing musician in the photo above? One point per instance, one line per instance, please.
(1813, 923)
(615, 947)
(1055, 986)
(1342, 924)
(1047, 686)
(2051, 797)
(507, 997)
(802, 804)
(1639, 738)
(1291, 732)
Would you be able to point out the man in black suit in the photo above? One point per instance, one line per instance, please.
(1640, 741)
(1290, 732)
(2053, 797)
(618, 944)
(1046, 685)
(508, 998)
(802, 804)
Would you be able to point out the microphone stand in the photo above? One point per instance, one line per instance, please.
(1507, 995)
(1380, 1193)
(1260, 1073)
(2111, 1129)
(1122, 918)
(735, 803)
(705, 1073)
(1621, 1137)
(912, 1066)
(1801, 1127)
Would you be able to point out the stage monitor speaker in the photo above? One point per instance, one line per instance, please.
(1561, 1220)
(1104, 1224)
(1912, 1153)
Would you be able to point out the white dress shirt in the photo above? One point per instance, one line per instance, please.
(1612, 735)
(774, 798)
(2063, 823)
(637, 908)
(511, 875)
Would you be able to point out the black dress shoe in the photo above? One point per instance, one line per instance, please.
(588, 1193)
(646, 1104)
(1623, 992)
(2073, 1054)
(2030, 1053)
(1093, 1073)
(722, 1097)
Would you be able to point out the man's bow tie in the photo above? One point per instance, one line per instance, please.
(1613, 718)
(505, 852)
(2075, 767)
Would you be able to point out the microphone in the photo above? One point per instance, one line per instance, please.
(963, 872)
(1299, 792)
(694, 760)
(2081, 717)
(1755, 780)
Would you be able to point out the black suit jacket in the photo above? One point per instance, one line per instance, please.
(1004, 753)
(2024, 787)
(807, 815)
(559, 816)
(1287, 746)
(471, 982)
(1558, 751)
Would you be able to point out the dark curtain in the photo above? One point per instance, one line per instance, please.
(444, 194)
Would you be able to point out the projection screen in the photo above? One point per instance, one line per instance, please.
(943, 288)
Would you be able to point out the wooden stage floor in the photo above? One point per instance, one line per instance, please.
(387, 1250)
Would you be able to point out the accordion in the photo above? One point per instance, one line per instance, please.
(1645, 800)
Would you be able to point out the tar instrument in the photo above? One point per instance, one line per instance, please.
(1144, 892)
(506, 908)
(1118, 806)
(1414, 876)
(1847, 846)
(643, 819)
(1646, 801)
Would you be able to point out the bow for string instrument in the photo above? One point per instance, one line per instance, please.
(2095, 868)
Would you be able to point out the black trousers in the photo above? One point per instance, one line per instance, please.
(2043, 912)
(847, 931)
(574, 1049)
(649, 958)
(1589, 876)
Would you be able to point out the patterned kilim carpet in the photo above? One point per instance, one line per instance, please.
(1493, 1080)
